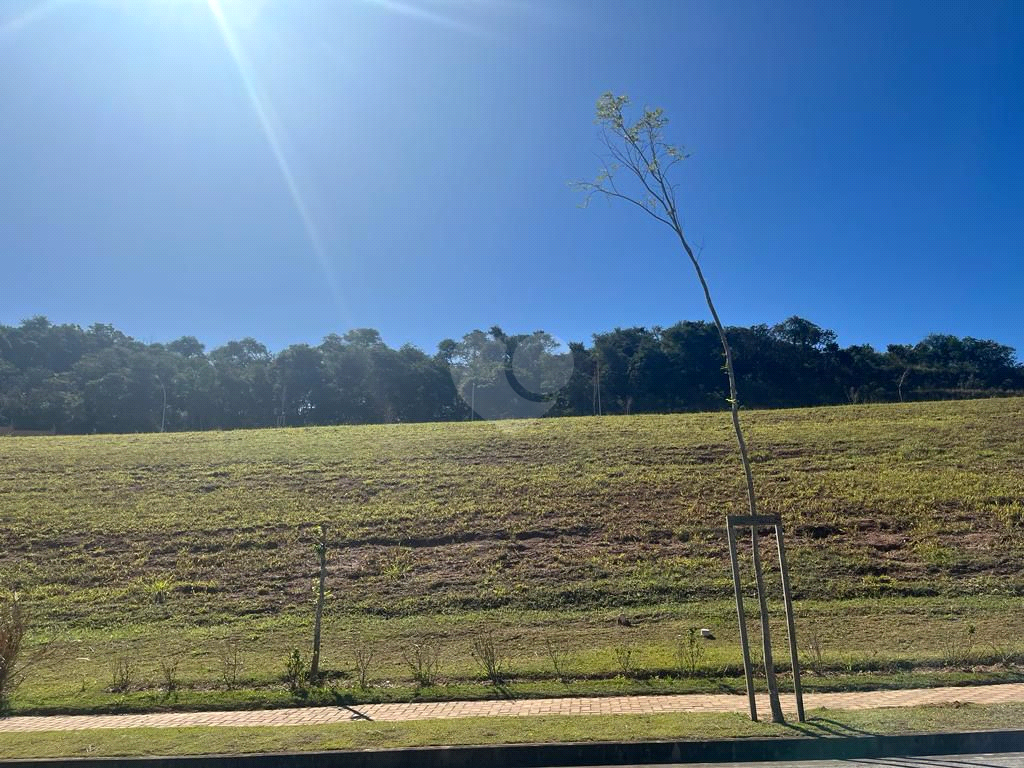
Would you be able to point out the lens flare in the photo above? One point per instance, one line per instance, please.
(264, 113)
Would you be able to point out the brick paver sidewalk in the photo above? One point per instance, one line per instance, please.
(988, 694)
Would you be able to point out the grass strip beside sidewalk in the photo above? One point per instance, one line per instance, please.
(502, 730)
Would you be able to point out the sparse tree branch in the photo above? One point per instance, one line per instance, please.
(639, 166)
(639, 149)
(591, 189)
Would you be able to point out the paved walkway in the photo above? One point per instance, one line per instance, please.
(986, 694)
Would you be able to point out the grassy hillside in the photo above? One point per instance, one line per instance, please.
(186, 537)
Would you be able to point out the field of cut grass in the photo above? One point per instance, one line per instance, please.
(162, 556)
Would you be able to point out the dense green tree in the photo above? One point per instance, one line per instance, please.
(244, 392)
(298, 376)
(100, 380)
(803, 333)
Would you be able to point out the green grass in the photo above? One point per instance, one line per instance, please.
(895, 642)
(501, 730)
(903, 522)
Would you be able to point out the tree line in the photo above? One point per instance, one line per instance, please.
(75, 380)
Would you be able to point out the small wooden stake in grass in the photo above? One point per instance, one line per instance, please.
(320, 546)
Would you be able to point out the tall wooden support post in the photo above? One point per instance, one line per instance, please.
(790, 626)
(744, 644)
(766, 632)
(755, 522)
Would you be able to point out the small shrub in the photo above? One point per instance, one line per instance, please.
(362, 653)
(12, 632)
(423, 660)
(958, 647)
(230, 662)
(756, 657)
(817, 649)
(690, 652)
(1005, 655)
(295, 673)
(557, 658)
(122, 671)
(489, 657)
(624, 658)
(169, 674)
(159, 589)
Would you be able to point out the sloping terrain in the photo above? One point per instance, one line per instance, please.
(919, 499)
(175, 570)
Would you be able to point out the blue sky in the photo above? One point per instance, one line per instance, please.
(290, 168)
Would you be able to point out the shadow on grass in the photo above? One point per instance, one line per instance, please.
(823, 728)
(724, 686)
(356, 714)
(839, 729)
(505, 691)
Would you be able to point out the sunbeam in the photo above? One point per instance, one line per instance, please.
(262, 107)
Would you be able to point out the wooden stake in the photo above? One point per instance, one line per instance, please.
(744, 644)
(791, 626)
(769, 664)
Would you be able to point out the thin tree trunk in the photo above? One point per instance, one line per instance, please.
(642, 154)
(733, 397)
(902, 379)
(321, 548)
(769, 665)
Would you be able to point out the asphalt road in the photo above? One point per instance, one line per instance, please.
(992, 760)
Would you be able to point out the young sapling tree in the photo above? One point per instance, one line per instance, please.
(638, 163)
(320, 547)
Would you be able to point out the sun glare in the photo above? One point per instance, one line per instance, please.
(263, 108)
(232, 19)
